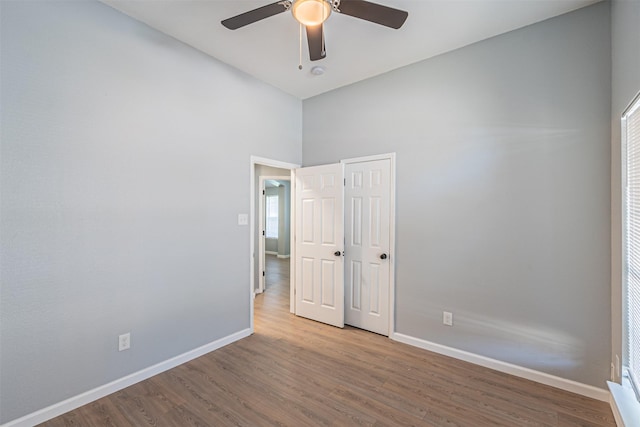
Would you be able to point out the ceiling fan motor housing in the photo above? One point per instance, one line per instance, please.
(311, 12)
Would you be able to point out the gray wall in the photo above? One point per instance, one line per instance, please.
(115, 139)
(625, 42)
(284, 225)
(502, 190)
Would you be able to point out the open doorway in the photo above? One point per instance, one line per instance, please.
(270, 264)
(274, 228)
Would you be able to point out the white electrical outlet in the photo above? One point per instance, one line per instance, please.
(124, 341)
(447, 318)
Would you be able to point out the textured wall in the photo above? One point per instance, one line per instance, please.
(115, 142)
(503, 167)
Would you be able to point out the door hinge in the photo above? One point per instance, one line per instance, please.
(345, 182)
(263, 273)
(263, 232)
(263, 193)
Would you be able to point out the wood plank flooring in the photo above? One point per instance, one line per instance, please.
(296, 372)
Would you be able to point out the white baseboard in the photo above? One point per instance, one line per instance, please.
(87, 397)
(276, 253)
(507, 368)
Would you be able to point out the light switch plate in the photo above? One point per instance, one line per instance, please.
(124, 341)
(447, 318)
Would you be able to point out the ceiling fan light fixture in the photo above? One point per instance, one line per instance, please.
(311, 12)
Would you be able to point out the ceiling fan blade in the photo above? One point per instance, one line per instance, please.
(315, 38)
(254, 15)
(373, 12)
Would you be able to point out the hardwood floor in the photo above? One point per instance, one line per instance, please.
(296, 372)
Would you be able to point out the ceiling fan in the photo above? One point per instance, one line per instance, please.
(313, 13)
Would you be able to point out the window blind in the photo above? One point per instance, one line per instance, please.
(631, 140)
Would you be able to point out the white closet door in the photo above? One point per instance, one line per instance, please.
(367, 243)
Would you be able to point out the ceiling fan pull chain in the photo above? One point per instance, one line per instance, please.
(300, 63)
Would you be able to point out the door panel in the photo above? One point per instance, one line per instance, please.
(328, 290)
(306, 271)
(307, 220)
(367, 211)
(356, 277)
(374, 303)
(319, 273)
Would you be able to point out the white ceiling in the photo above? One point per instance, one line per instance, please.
(356, 49)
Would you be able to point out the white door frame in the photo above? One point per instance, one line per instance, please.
(255, 160)
(262, 229)
(392, 229)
